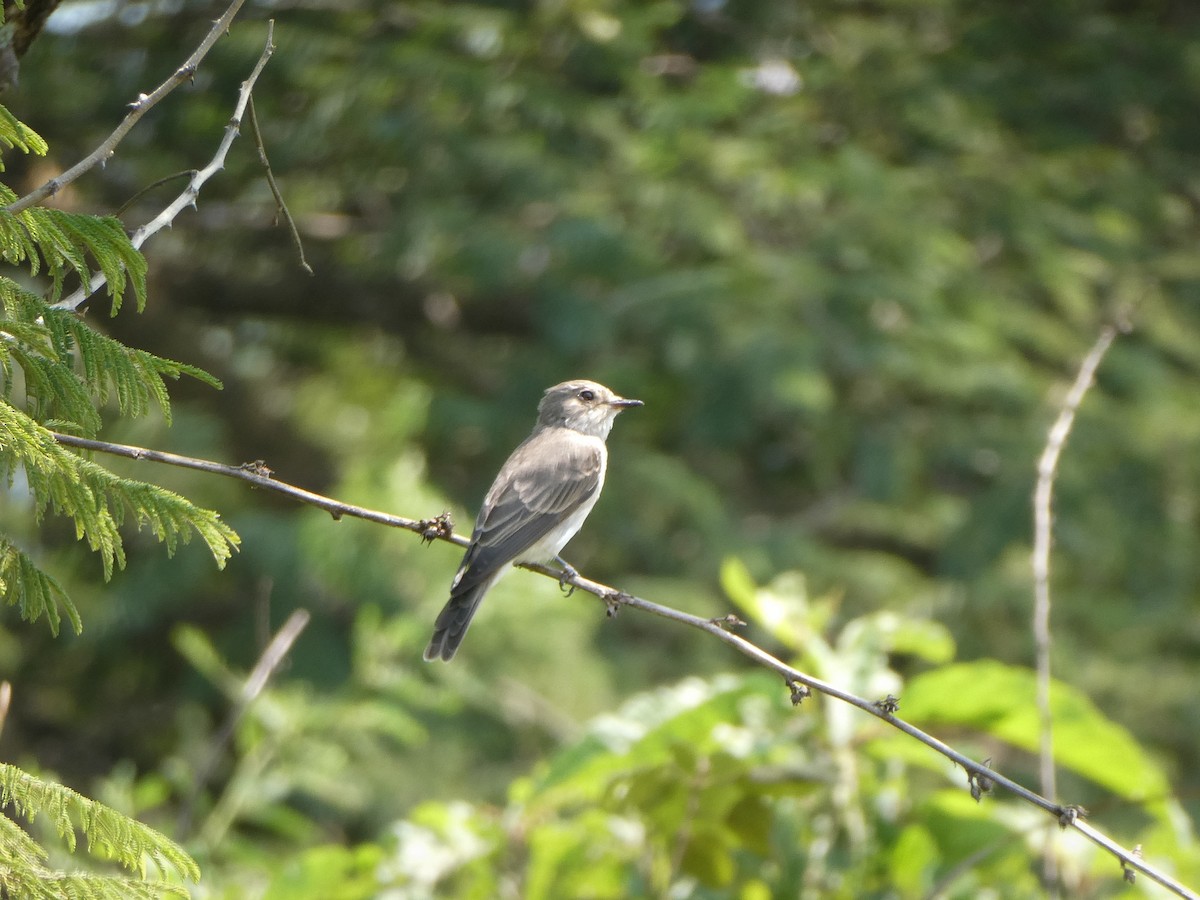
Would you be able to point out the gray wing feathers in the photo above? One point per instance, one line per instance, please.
(534, 492)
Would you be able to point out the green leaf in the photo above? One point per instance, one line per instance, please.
(1001, 700)
(707, 857)
(329, 872)
(782, 608)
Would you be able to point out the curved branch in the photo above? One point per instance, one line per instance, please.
(980, 777)
(1043, 522)
(138, 108)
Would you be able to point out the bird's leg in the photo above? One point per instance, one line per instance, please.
(568, 572)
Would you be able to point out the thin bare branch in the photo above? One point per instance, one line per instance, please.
(138, 108)
(439, 528)
(270, 660)
(5, 701)
(280, 205)
(158, 182)
(1043, 522)
(188, 197)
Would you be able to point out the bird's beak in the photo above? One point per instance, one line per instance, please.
(622, 403)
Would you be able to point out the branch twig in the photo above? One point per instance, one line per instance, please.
(439, 528)
(188, 197)
(280, 206)
(272, 656)
(143, 104)
(1047, 469)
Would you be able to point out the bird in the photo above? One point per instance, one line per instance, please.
(538, 502)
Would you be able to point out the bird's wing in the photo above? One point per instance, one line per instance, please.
(535, 490)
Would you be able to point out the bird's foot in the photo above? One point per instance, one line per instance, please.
(568, 573)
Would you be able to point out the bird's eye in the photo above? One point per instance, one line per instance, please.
(587, 396)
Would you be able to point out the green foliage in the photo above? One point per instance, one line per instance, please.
(1001, 700)
(32, 591)
(329, 872)
(68, 372)
(57, 371)
(66, 243)
(98, 500)
(109, 835)
(14, 133)
(69, 368)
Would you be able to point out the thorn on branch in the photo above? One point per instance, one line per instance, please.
(728, 622)
(800, 692)
(440, 526)
(613, 601)
(1129, 872)
(1068, 814)
(980, 783)
(889, 705)
(187, 72)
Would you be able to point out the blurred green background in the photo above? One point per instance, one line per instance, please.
(850, 255)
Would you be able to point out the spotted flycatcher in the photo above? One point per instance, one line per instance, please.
(538, 501)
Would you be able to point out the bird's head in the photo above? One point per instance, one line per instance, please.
(582, 406)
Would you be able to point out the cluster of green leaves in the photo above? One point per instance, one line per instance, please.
(58, 372)
(109, 835)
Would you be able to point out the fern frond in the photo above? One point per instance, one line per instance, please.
(53, 390)
(15, 339)
(42, 884)
(14, 133)
(75, 237)
(98, 500)
(70, 368)
(32, 591)
(135, 377)
(109, 833)
(60, 248)
(64, 242)
(18, 303)
(170, 517)
(17, 849)
(16, 244)
(23, 874)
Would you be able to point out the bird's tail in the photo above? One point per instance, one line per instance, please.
(451, 625)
